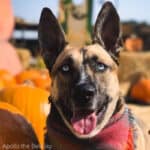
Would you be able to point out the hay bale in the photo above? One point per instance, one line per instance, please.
(133, 65)
(124, 88)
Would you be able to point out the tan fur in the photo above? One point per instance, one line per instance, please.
(92, 50)
(71, 52)
(102, 54)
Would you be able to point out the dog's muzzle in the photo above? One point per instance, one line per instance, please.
(83, 93)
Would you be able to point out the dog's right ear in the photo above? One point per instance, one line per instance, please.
(51, 37)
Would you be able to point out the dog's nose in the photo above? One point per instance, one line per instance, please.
(85, 92)
(88, 91)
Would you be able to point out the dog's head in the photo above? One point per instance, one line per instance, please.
(85, 86)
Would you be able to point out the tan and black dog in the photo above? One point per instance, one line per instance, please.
(87, 110)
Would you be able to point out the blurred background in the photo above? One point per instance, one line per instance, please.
(21, 63)
(19, 24)
(78, 16)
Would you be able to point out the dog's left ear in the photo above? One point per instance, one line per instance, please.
(107, 29)
(51, 37)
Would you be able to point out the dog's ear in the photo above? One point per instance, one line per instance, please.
(107, 29)
(51, 37)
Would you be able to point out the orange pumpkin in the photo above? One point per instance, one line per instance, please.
(15, 130)
(7, 78)
(27, 75)
(141, 90)
(32, 102)
(1, 84)
(39, 78)
(8, 107)
(44, 80)
(134, 43)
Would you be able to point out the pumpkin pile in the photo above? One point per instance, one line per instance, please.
(36, 77)
(23, 108)
(32, 102)
(28, 92)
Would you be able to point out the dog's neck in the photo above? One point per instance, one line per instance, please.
(117, 133)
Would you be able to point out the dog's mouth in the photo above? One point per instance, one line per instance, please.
(84, 122)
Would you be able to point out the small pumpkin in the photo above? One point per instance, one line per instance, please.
(39, 78)
(32, 102)
(27, 75)
(134, 43)
(15, 130)
(44, 80)
(7, 78)
(141, 90)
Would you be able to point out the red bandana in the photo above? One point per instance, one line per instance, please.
(118, 134)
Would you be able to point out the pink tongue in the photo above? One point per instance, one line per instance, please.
(84, 125)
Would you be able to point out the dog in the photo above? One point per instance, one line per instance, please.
(87, 109)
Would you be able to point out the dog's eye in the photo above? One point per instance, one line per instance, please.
(100, 67)
(65, 68)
